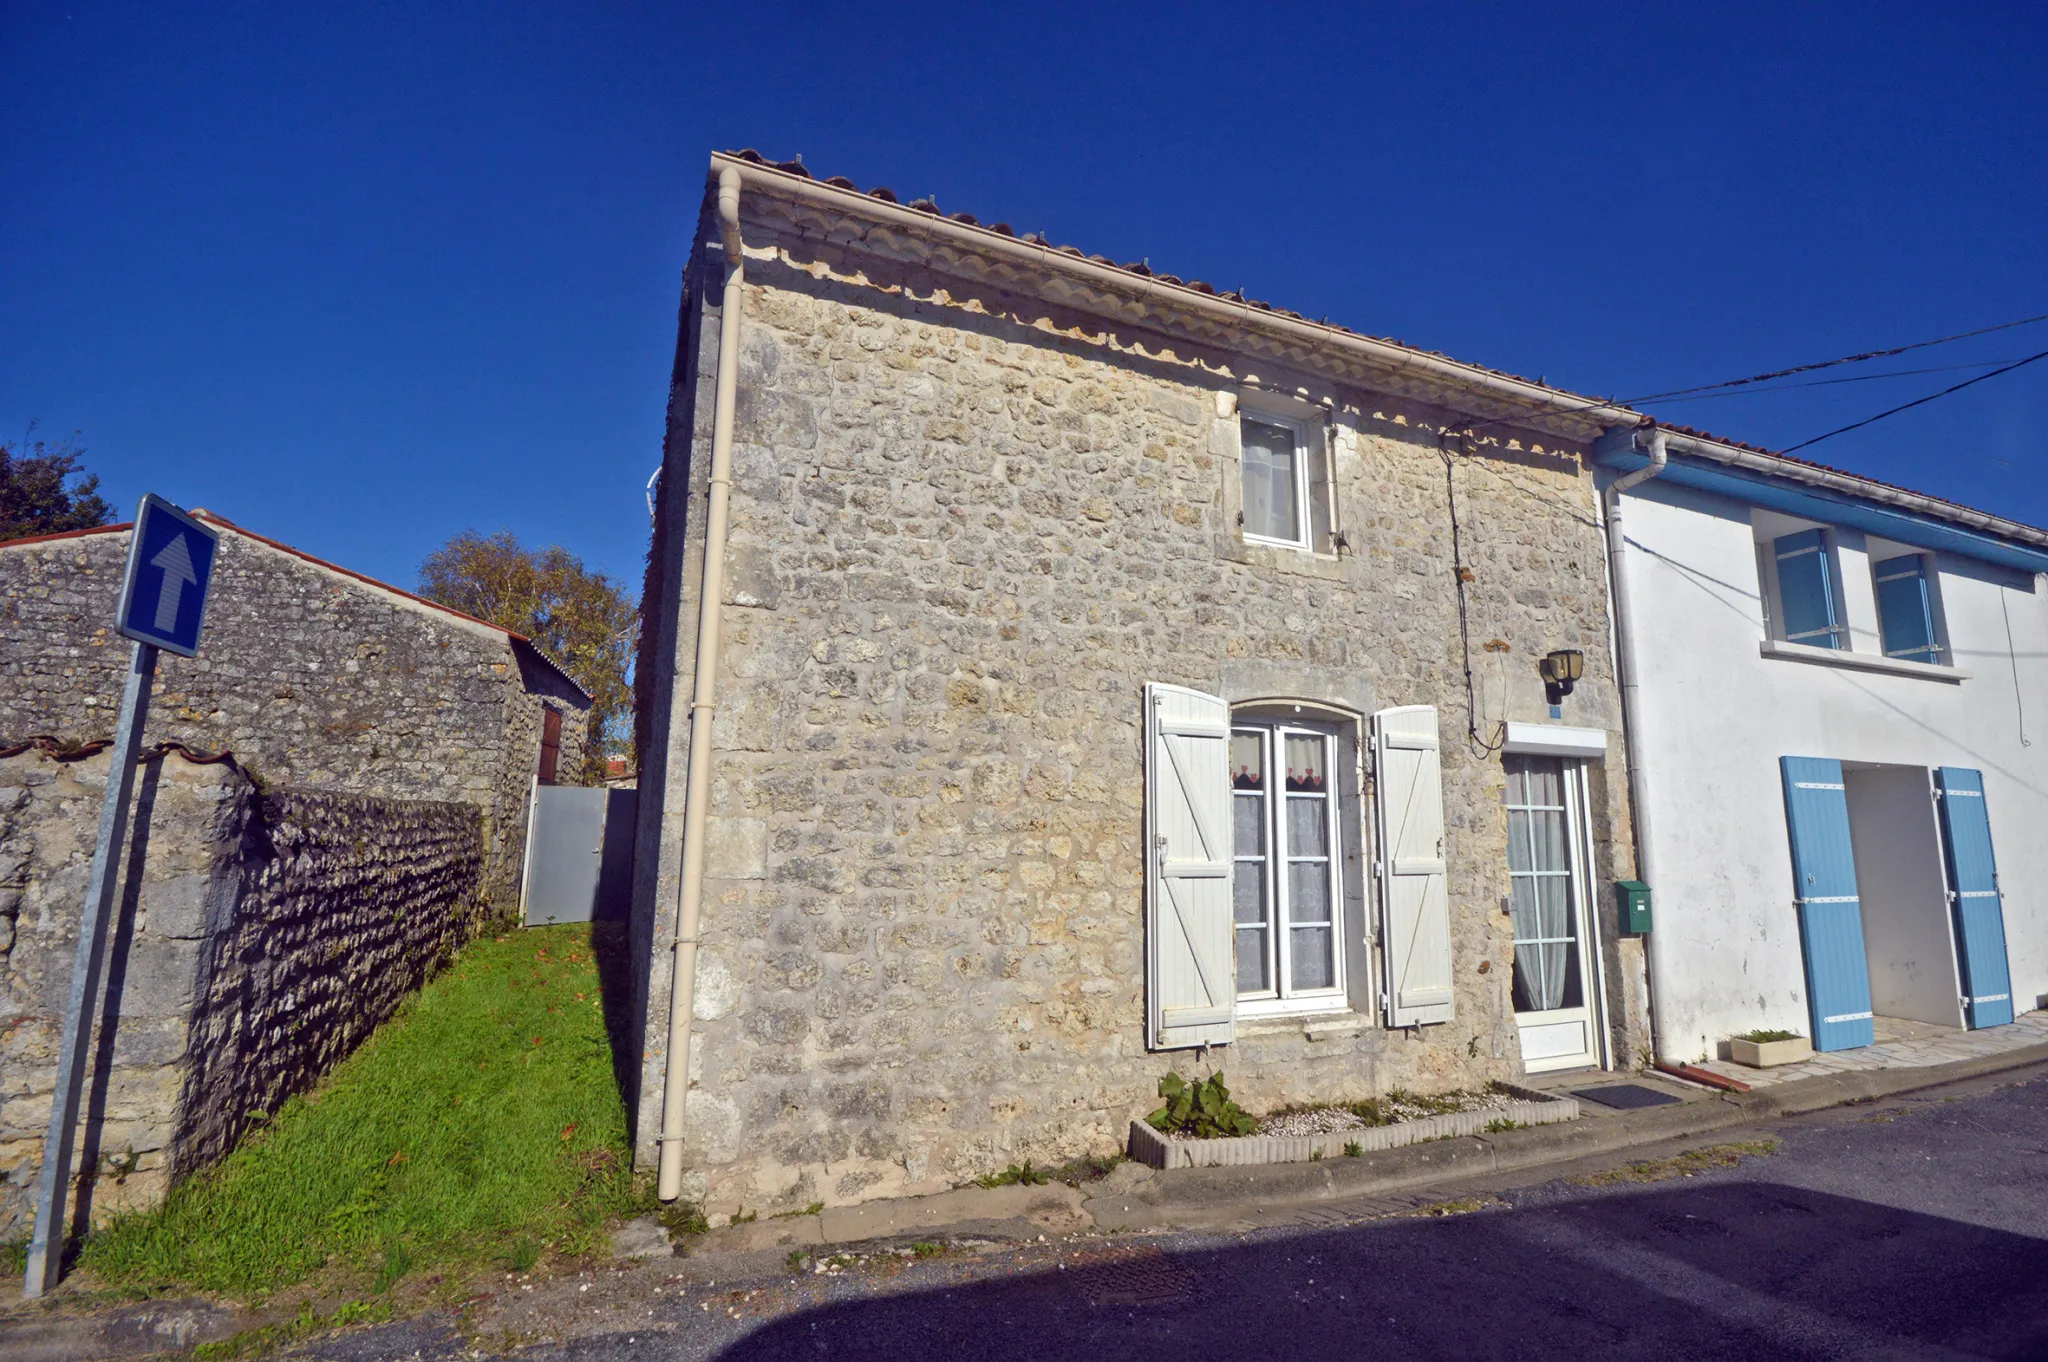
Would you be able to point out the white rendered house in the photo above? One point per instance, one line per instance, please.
(1839, 731)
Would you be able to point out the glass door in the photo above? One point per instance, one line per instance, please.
(1554, 1002)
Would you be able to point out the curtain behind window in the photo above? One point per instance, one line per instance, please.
(1269, 502)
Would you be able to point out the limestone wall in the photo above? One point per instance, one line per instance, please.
(313, 679)
(967, 530)
(258, 938)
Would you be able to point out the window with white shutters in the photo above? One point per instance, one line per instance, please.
(1287, 885)
(1413, 897)
(1191, 993)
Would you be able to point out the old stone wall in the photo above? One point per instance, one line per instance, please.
(347, 904)
(312, 678)
(967, 529)
(257, 939)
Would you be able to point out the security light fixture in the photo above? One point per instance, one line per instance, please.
(1560, 671)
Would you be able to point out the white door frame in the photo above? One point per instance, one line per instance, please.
(1592, 972)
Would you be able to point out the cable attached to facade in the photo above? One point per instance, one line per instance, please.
(2019, 702)
(1464, 617)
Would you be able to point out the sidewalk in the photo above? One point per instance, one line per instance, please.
(1909, 1045)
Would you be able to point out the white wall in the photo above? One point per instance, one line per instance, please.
(1906, 932)
(1716, 716)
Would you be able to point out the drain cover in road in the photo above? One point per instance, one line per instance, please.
(1625, 1096)
(1143, 1276)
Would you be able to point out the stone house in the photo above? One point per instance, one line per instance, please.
(313, 676)
(1114, 677)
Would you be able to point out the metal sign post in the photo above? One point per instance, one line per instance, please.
(163, 602)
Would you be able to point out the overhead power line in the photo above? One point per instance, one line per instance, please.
(1917, 402)
(1831, 382)
(1537, 408)
(1845, 359)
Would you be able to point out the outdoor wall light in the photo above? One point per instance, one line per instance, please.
(1560, 671)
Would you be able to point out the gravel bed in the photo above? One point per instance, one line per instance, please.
(1329, 1120)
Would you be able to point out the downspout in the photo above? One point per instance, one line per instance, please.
(703, 702)
(1631, 703)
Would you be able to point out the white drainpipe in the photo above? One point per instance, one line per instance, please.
(1631, 702)
(704, 702)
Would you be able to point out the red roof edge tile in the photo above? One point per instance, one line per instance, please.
(213, 519)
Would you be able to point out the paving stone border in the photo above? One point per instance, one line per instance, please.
(1530, 1108)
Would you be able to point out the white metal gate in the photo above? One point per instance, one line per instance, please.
(579, 854)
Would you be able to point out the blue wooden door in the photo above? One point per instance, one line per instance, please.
(1830, 914)
(1973, 897)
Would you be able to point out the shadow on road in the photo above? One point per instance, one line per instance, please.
(1744, 1270)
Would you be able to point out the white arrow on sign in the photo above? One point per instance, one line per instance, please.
(176, 561)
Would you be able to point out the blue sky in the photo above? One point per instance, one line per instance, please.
(362, 276)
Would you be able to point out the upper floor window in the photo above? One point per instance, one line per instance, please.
(1285, 465)
(1806, 590)
(1905, 608)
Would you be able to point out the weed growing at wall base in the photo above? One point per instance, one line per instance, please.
(483, 1115)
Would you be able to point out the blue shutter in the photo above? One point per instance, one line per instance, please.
(1973, 897)
(1830, 915)
(1806, 589)
(1903, 613)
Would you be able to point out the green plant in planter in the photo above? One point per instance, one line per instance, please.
(1203, 1110)
(1766, 1037)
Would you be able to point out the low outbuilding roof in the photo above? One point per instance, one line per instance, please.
(517, 640)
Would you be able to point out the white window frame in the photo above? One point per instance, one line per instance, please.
(1283, 999)
(1303, 517)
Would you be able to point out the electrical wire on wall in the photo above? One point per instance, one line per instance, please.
(1458, 571)
(2019, 702)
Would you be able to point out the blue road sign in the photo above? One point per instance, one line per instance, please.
(170, 566)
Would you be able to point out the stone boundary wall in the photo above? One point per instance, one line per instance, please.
(312, 678)
(259, 936)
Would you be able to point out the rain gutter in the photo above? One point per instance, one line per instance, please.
(704, 699)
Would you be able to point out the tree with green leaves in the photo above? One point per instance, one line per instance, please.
(37, 495)
(583, 620)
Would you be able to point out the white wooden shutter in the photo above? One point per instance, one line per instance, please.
(1413, 898)
(1191, 993)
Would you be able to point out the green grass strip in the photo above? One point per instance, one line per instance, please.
(482, 1120)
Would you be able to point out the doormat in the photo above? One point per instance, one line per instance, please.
(1625, 1096)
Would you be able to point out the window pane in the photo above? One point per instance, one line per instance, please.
(1308, 826)
(1320, 493)
(1252, 973)
(1311, 963)
(1269, 473)
(1805, 596)
(1546, 840)
(1522, 908)
(1306, 763)
(1248, 892)
(1248, 761)
(1519, 859)
(1308, 891)
(1546, 783)
(1905, 622)
(1250, 826)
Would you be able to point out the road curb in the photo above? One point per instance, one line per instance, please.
(1206, 1194)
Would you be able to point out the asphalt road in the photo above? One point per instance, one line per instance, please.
(1910, 1229)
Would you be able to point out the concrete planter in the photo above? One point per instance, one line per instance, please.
(1768, 1053)
(1530, 1108)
